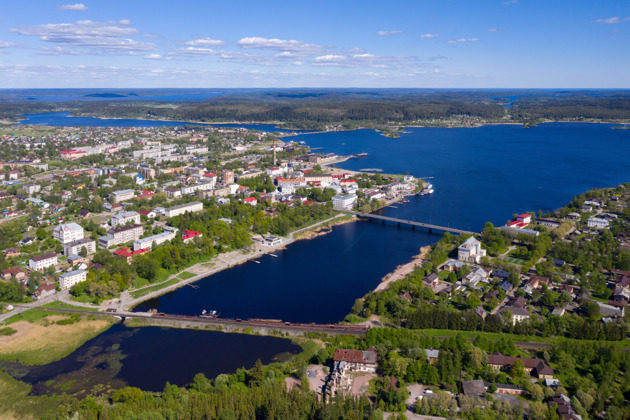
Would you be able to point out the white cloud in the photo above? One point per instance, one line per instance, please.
(510, 2)
(429, 35)
(278, 44)
(612, 20)
(255, 58)
(362, 60)
(157, 57)
(493, 30)
(205, 42)
(88, 34)
(455, 41)
(79, 7)
(193, 52)
(5, 44)
(388, 33)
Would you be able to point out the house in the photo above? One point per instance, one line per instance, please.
(148, 213)
(128, 254)
(610, 311)
(506, 286)
(549, 223)
(518, 302)
(518, 314)
(598, 223)
(558, 311)
(432, 280)
(251, 201)
(68, 232)
(471, 251)
(272, 241)
(11, 252)
(432, 355)
(43, 261)
(543, 371)
(67, 280)
(14, 273)
(507, 388)
(534, 282)
(453, 265)
(173, 192)
(45, 290)
(499, 361)
(189, 235)
(355, 360)
(594, 202)
(121, 195)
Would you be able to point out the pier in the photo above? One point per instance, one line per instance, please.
(413, 224)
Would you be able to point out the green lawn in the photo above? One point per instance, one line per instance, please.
(142, 292)
(186, 275)
(513, 260)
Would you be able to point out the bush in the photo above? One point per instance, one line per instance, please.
(7, 331)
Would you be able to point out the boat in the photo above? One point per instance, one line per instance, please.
(360, 155)
(431, 191)
(404, 201)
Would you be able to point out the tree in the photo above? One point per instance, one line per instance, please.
(591, 310)
(84, 252)
(41, 233)
(257, 375)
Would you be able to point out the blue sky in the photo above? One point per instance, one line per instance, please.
(342, 43)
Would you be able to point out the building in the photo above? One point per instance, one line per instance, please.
(72, 154)
(67, 280)
(121, 195)
(199, 186)
(189, 235)
(129, 254)
(124, 218)
(147, 243)
(121, 235)
(344, 202)
(14, 273)
(518, 314)
(251, 201)
(74, 247)
(598, 223)
(183, 208)
(43, 261)
(355, 360)
(68, 232)
(227, 177)
(44, 290)
(476, 387)
(31, 189)
(272, 241)
(537, 367)
(471, 251)
(149, 213)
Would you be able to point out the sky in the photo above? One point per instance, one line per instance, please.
(322, 43)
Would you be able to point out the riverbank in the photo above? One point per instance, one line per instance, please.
(324, 229)
(403, 270)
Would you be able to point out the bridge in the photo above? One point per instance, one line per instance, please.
(413, 224)
(261, 326)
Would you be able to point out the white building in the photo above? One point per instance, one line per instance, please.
(598, 223)
(471, 251)
(31, 189)
(67, 280)
(74, 247)
(147, 243)
(43, 261)
(199, 186)
(121, 195)
(123, 218)
(344, 202)
(68, 232)
(121, 235)
(183, 208)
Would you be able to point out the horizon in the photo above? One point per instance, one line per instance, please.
(455, 44)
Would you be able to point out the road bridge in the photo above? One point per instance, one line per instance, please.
(413, 224)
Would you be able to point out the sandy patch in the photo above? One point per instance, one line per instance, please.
(52, 340)
(402, 270)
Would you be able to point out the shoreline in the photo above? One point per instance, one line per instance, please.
(403, 270)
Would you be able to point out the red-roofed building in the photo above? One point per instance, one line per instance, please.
(210, 175)
(189, 235)
(355, 360)
(251, 200)
(129, 254)
(72, 154)
(524, 218)
(149, 213)
(146, 194)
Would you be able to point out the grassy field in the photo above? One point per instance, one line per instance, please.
(15, 401)
(61, 305)
(186, 275)
(144, 291)
(29, 315)
(47, 339)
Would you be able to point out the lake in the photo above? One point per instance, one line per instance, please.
(148, 357)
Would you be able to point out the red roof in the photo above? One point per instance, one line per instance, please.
(211, 175)
(524, 215)
(126, 252)
(72, 151)
(187, 234)
(250, 199)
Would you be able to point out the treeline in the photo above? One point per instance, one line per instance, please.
(571, 108)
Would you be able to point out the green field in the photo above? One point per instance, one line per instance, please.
(186, 275)
(144, 291)
(61, 305)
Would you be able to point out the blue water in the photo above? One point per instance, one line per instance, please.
(313, 280)
(491, 172)
(148, 357)
(63, 119)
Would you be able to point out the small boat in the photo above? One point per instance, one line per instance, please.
(405, 201)
(431, 191)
